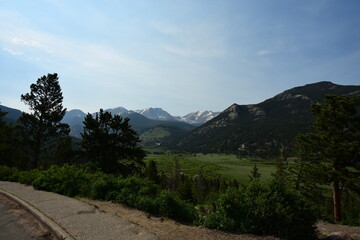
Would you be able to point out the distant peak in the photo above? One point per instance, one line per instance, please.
(320, 83)
(232, 107)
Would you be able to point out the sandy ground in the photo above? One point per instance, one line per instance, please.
(327, 229)
(167, 229)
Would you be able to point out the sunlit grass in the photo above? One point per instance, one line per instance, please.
(228, 166)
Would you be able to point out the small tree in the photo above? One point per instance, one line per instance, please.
(43, 128)
(281, 173)
(151, 172)
(331, 155)
(255, 174)
(111, 143)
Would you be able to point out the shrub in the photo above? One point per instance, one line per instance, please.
(261, 209)
(224, 214)
(147, 204)
(28, 177)
(101, 185)
(67, 180)
(134, 187)
(8, 174)
(172, 206)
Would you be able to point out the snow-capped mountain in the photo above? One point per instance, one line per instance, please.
(156, 114)
(199, 117)
(194, 118)
(119, 111)
(76, 117)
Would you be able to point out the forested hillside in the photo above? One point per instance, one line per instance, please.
(262, 129)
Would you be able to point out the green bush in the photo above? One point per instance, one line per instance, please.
(147, 204)
(224, 213)
(67, 180)
(9, 174)
(270, 209)
(28, 177)
(133, 191)
(101, 185)
(172, 206)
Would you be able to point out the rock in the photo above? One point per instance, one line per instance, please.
(339, 236)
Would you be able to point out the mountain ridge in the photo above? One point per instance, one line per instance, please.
(261, 129)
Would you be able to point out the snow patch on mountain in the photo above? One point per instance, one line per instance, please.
(199, 117)
(156, 114)
(118, 111)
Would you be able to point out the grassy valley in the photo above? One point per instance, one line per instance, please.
(228, 166)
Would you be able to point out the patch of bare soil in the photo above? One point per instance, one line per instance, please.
(167, 229)
(334, 231)
(31, 225)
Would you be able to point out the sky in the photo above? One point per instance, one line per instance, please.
(179, 55)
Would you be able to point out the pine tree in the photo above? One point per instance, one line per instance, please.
(255, 174)
(111, 143)
(281, 173)
(331, 154)
(151, 172)
(43, 128)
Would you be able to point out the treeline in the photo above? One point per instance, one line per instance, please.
(40, 139)
(107, 164)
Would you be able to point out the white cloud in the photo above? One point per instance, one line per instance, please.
(263, 52)
(12, 52)
(195, 52)
(78, 56)
(20, 41)
(165, 29)
(201, 40)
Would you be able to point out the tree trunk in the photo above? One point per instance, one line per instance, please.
(337, 201)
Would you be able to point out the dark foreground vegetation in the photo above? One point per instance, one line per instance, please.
(266, 209)
(107, 164)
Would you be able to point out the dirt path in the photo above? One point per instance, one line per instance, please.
(167, 229)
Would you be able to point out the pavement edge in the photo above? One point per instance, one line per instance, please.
(59, 232)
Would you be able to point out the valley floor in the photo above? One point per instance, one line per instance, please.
(167, 229)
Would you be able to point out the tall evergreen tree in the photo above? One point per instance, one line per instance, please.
(331, 154)
(111, 143)
(42, 127)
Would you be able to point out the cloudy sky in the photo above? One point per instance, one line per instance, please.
(180, 55)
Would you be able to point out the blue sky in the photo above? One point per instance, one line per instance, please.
(182, 55)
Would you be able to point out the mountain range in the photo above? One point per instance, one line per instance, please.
(154, 125)
(261, 129)
(151, 130)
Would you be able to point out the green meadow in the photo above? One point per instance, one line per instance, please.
(228, 166)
